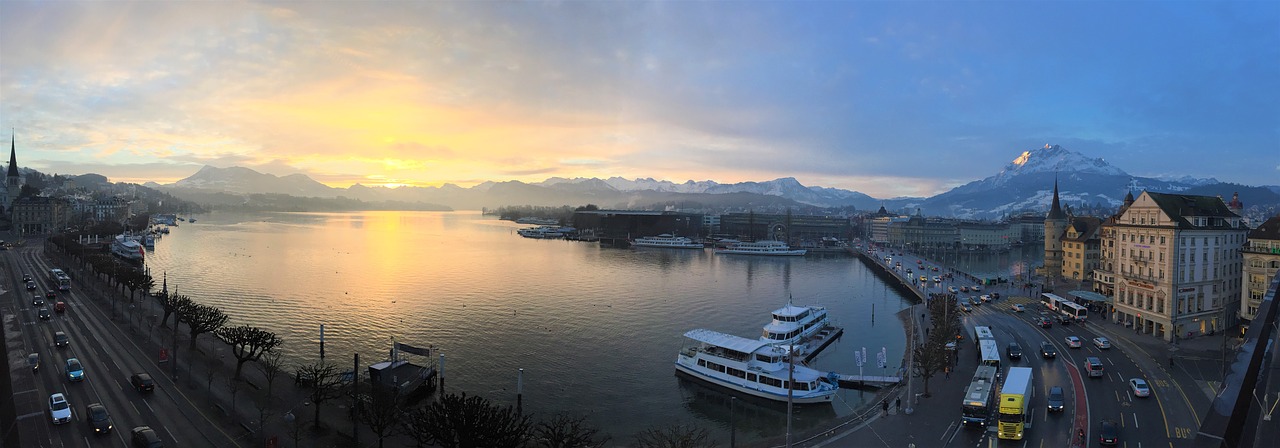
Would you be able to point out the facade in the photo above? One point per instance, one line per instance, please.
(1176, 261)
(638, 223)
(982, 236)
(1261, 262)
(1055, 225)
(1081, 248)
(711, 224)
(39, 215)
(794, 229)
(1104, 275)
(920, 232)
(1030, 228)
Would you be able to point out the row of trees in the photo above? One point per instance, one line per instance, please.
(933, 356)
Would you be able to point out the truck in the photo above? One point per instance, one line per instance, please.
(1014, 398)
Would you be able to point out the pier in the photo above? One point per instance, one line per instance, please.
(862, 381)
(819, 341)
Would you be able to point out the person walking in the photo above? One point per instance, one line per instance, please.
(884, 405)
(897, 403)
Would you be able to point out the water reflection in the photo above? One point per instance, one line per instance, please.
(753, 417)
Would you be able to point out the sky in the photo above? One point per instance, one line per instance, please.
(903, 98)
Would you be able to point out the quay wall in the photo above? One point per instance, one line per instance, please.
(891, 277)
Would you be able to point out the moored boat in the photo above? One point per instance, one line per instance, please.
(541, 232)
(128, 248)
(763, 247)
(753, 367)
(793, 324)
(666, 240)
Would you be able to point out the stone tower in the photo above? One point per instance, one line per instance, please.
(1055, 224)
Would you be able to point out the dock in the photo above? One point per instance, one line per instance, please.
(823, 338)
(819, 341)
(864, 381)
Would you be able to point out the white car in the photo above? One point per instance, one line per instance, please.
(975, 288)
(952, 289)
(1102, 343)
(1074, 342)
(1018, 307)
(1139, 387)
(59, 409)
(985, 297)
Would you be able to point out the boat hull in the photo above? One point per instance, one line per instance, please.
(804, 398)
(783, 253)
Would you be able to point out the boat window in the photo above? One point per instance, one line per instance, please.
(751, 377)
(737, 373)
(702, 363)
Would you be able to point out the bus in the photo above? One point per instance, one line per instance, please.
(59, 279)
(977, 397)
(982, 333)
(1066, 307)
(1014, 398)
(989, 354)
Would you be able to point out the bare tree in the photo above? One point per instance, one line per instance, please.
(380, 411)
(460, 421)
(676, 436)
(931, 358)
(247, 343)
(171, 303)
(563, 431)
(234, 386)
(325, 381)
(201, 319)
(270, 364)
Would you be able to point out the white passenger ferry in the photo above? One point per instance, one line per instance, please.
(795, 324)
(752, 367)
(763, 247)
(666, 240)
(541, 232)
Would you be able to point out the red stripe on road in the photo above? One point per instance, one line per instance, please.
(1082, 406)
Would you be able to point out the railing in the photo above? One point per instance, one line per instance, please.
(1236, 407)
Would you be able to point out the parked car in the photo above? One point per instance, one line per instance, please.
(1057, 400)
(1073, 342)
(142, 382)
(1102, 343)
(1018, 307)
(1014, 350)
(1110, 433)
(75, 370)
(99, 418)
(145, 437)
(1139, 387)
(1047, 350)
(60, 339)
(59, 409)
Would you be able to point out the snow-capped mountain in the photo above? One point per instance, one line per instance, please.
(1054, 159)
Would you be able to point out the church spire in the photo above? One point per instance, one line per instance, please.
(1055, 211)
(13, 156)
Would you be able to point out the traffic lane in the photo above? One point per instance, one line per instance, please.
(1047, 429)
(1138, 420)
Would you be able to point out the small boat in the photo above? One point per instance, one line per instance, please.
(763, 247)
(793, 324)
(753, 367)
(541, 232)
(666, 240)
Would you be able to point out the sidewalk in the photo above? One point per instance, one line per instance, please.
(203, 376)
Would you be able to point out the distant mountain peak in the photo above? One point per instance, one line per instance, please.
(1055, 159)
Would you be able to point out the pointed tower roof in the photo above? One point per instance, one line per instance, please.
(1128, 198)
(13, 157)
(1055, 211)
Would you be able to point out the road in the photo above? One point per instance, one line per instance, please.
(109, 352)
(1166, 418)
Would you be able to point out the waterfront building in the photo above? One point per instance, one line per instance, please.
(879, 227)
(38, 214)
(711, 224)
(1261, 262)
(986, 236)
(920, 232)
(1176, 263)
(1081, 248)
(624, 224)
(793, 229)
(1055, 225)
(1030, 227)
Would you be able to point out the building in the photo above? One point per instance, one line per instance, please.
(794, 229)
(919, 232)
(1055, 225)
(1261, 262)
(711, 224)
(1030, 227)
(1176, 265)
(1081, 248)
(1104, 276)
(12, 182)
(622, 224)
(38, 215)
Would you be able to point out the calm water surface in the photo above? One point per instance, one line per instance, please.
(596, 330)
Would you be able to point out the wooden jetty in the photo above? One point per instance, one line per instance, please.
(819, 341)
(863, 381)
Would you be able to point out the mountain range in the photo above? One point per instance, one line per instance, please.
(1024, 185)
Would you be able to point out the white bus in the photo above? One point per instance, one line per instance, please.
(59, 279)
(1066, 307)
(982, 333)
(989, 354)
(976, 407)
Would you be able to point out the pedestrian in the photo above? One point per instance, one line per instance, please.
(884, 405)
(897, 403)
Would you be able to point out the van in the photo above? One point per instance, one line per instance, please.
(1093, 366)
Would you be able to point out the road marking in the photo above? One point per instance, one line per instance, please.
(33, 414)
(1135, 420)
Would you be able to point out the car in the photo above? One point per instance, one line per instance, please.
(60, 307)
(964, 289)
(31, 286)
(935, 269)
(75, 370)
(44, 313)
(1102, 343)
(995, 296)
(99, 418)
(1047, 350)
(59, 409)
(1139, 387)
(1109, 433)
(937, 279)
(142, 382)
(1017, 307)
(37, 300)
(60, 339)
(1057, 400)
(145, 437)
(1073, 342)
(1014, 350)
(952, 289)
(27, 278)
(1064, 320)
(965, 306)
(985, 297)
(975, 301)
(1046, 323)
(50, 295)
(975, 288)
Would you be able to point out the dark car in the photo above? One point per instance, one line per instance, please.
(142, 382)
(60, 339)
(1057, 399)
(1046, 323)
(1110, 433)
(145, 437)
(26, 277)
(1014, 350)
(51, 295)
(99, 418)
(1064, 320)
(31, 286)
(44, 313)
(1047, 350)
(36, 300)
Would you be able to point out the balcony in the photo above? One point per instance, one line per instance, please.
(1261, 250)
